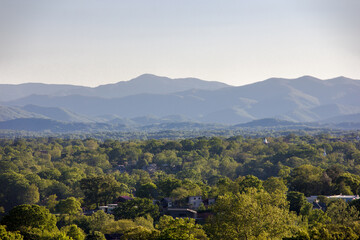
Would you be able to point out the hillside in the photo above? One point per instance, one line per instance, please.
(55, 113)
(305, 99)
(9, 113)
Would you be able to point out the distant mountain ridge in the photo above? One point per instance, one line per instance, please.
(146, 83)
(304, 99)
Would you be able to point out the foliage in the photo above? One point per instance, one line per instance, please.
(16, 190)
(95, 236)
(69, 206)
(74, 232)
(100, 189)
(147, 190)
(29, 216)
(341, 213)
(180, 229)
(140, 233)
(298, 203)
(276, 177)
(138, 207)
(6, 235)
(251, 215)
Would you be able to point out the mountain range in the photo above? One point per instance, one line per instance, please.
(150, 99)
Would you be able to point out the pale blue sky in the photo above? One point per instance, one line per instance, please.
(93, 42)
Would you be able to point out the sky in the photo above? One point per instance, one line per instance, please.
(95, 42)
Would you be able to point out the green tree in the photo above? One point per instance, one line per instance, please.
(167, 184)
(31, 194)
(252, 214)
(147, 190)
(140, 233)
(120, 226)
(16, 190)
(341, 213)
(332, 231)
(5, 235)
(249, 181)
(180, 229)
(299, 203)
(306, 179)
(355, 203)
(51, 202)
(347, 184)
(187, 144)
(138, 207)
(50, 173)
(37, 234)
(317, 217)
(74, 232)
(274, 184)
(100, 189)
(95, 236)
(99, 220)
(29, 216)
(69, 206)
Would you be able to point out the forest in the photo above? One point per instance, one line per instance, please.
(51, 188)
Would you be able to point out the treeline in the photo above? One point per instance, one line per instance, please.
(259, 187)
(160, 132)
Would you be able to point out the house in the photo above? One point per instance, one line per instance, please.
(347, 198)
(311, 199)
(151, 168)
(319, 205)
(109, 208)
(166, 202)
(181, 213)
(208, 202)
(194, 202)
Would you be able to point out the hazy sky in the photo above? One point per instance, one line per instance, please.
(93, 42)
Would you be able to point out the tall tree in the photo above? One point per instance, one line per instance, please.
(99, 189)
(180, 229)
(69, 206)
(138, 207)
(254, 214)
(29, 216)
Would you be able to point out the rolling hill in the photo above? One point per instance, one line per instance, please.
(304, 99)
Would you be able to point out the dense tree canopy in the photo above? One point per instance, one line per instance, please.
(32, 216)
(67, 176)
(138, 207)
(253, 214)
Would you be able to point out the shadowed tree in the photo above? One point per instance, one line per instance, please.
(33, 216)
(100, 189)
(138, 207)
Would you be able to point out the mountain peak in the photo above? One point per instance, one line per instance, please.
(147, 77)
(307, 77)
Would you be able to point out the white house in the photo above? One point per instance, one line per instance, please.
(109, 208)
(194, 201)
